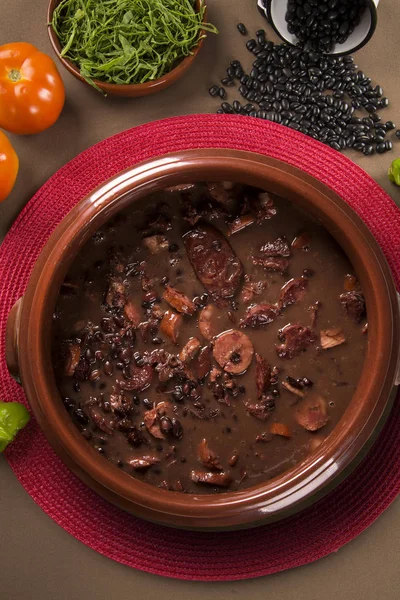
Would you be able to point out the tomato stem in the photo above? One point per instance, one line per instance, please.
(15, 75)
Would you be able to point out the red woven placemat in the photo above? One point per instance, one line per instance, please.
(303, 538)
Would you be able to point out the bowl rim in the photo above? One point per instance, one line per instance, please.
(129, 88)
(288, 491)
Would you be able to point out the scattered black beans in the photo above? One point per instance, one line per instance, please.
(313, 93)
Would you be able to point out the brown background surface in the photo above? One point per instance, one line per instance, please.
(38, 559)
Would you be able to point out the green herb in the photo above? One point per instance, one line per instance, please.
(394, 171)
(13, 417)
(128, 41)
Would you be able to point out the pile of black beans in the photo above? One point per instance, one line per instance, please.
(320, 24)
(309, 92)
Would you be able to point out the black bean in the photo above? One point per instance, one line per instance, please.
(251, 45)
(165, 425)
(242, 28)
(177, 429)
(381, 148)
(213, 91)
(227, 81)
(398, 134)
(222, 93)
(226, 107)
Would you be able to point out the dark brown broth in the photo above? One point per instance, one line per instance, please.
(228, 429)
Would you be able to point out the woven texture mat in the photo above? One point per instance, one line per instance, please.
(303, 538)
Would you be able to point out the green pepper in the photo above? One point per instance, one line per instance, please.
(13, 417)
(394, 171)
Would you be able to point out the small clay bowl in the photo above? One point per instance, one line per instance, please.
(29, 358)
(129, 90)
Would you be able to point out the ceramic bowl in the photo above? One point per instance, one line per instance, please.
(28, 350)
(113, 89)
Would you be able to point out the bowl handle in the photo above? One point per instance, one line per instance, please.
(397, 380)
(12, 336)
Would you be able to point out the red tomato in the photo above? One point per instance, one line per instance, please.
(31, 90)
(8, 166)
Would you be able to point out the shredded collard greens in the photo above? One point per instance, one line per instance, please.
(128, 41)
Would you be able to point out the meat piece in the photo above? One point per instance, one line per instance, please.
(215, 373)
(179, 301)
(225, 193)
(74, 355)
(278, 247)
(82, 369)
(116, 294)
(263, 375)
(233, 351)
(331, 338)
(273, 263)
(293, 291)
(312, 413)
(206, 326)
(263, 206)
(157, 312)
(207, 457)
(240, 223)
(293, 389)
(219, 479)
(259, 315)
(147, 329)
(100, 420)
(234, 458)
(190, 350)
(350, 283)
(139, 380)
(302, 242)
(314, 310)
(261, 410)
(214, 262)
(203, 363)
(136, 437)
(176, 486)
(146, 283)
(354, 305)
(152, 420)
(132, 314)
(155, 243)
(296, 339)
(251, 289)
(280, 429)
(144, 462)
(171, 324)
(120, 404)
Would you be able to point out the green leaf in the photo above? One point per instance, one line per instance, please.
(13, 417)
(394, 172)
(128, 16)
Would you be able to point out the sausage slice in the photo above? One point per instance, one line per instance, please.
(214, 262)
(233, 351)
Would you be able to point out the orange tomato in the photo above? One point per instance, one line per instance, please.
(31, 90)
(8, 166)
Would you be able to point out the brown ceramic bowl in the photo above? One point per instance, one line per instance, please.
(113, 89)
(29, 358)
